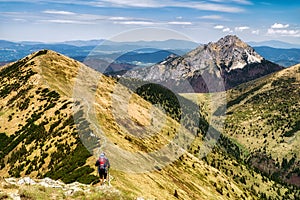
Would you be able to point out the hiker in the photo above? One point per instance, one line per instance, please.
(103, 166)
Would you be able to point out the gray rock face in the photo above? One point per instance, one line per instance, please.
(209, 68)
(229, 53)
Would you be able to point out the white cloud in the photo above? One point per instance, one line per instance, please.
(180, 23)
(213, 17)
(61, 17)
(277, 25)
(223, 28)
(70, 16)
(219, 27)
(283, 32)
(20, 20)
(255, 32)
(149, 23)
(213, 7)
(227, 30)
(241, 28)
(129, 3)
(64, 21)
(135, 23)
(244, 2)
(198, 5)
(119, 18)
(58, 12)
(18, 15)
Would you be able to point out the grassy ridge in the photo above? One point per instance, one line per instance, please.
(46, 141)
(28, 150)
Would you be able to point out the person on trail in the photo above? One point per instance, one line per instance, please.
(103, 167)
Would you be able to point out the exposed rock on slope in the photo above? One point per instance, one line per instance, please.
(27, 188)
(209, 68)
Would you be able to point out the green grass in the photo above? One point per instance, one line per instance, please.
(244, 150)
(264, 117)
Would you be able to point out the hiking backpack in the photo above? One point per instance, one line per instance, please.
(102, 162)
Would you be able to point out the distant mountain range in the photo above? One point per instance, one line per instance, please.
(275, 44)
(284, 57)
(11, 51)
(146, 57)
(284, 54)
(164, 44)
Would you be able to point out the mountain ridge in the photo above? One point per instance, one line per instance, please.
(37, 93)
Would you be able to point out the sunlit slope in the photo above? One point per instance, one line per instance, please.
(56, 112)
(264, 117)
(38, 134)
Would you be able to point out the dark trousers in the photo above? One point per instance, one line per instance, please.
(102, 173)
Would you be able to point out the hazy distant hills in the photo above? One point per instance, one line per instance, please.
(284, 54)
(165, 44)
(146, 57)
(44, 125)
(283, 57)
(212, 67)
(275, 44)
(11, 51)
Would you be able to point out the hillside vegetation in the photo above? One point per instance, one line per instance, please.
(263, 116)
(38, 133)
(56, 113)
(262, 119)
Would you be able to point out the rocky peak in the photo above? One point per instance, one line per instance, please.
(223, 59)
(230, 40)
(230, 53)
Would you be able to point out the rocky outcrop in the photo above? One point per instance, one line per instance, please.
(68, 190)
(209, 68)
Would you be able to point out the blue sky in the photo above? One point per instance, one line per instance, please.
(201, 21)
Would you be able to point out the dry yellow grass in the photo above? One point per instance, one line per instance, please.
(127, 125)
